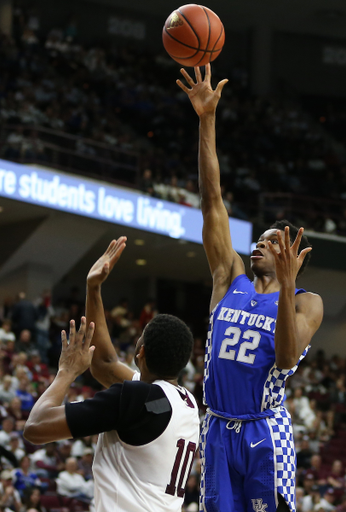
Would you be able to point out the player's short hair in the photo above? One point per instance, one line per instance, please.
(281, 224)
(168, 344)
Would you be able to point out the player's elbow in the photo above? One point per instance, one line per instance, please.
(285, 364)
(287, 361)
(32, 433)
(210, 199)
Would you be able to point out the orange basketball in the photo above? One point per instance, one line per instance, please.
(193, 35)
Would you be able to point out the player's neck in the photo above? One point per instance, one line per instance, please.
(149, 378)
(266, 284)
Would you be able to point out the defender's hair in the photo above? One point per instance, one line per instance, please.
(168, 344)
(281, 224)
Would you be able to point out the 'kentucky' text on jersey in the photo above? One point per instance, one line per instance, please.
(241, 379)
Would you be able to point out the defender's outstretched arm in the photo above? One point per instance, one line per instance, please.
(105, 366)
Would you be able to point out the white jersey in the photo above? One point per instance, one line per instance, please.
(150, 477)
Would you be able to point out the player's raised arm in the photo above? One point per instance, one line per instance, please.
(225, 264)
(105, 367)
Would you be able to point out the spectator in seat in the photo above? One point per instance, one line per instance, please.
(326, 503)
(119, 316)
(46, 461)
(15, 448)
(9, 496)
(305, 414)
(32, 501)
(15, 409)
(9, 352)
(191, 196)
(147, 183)
(5, 434)
(24, 342)
(342, 506)
(299, 499)
(148, 313)
(336, 479)
(338, 399)
(7, 392)
(64, 450)
(81, 444)
(39, 370)
(32, 147)
(24, 478)
(316, 470)
(25, 396)
(71, 484)
(304, 455)
(14, 144)
(24, 315)
(85, 463)
(308, 482)
(310, 500)
(6, 333)
(45, 313)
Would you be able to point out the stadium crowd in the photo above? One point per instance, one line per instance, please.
(127, 99)
(124, 98)
(59, 476)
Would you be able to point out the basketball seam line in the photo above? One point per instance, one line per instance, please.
(187, 45)
(218, 39)
(205, 52)
(193, 30)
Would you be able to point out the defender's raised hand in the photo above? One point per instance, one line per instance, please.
(204, 100)
(287, 260)
(103, 266)
(76, 353)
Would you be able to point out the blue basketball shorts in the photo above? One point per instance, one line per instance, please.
(245, 465)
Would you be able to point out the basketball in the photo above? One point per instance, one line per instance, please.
(193, 35)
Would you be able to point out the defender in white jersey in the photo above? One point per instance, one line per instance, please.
(149, 425)
(258, 333)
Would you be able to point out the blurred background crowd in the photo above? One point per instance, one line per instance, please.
(83, 107)
(115, 113)
(58, 475)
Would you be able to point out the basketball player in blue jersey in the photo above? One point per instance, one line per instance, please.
(259, 331)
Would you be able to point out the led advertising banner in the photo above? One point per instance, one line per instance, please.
(100, 200)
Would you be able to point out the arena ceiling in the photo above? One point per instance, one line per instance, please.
(322, 17)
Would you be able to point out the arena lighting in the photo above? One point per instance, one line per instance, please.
(102, 201)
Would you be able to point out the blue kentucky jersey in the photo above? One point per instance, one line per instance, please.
(241, 379)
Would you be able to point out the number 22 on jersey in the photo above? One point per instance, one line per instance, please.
(240, 355)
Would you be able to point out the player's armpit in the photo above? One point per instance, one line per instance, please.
(52, 427)
(222, 279)
(309, 315)
(112, 372)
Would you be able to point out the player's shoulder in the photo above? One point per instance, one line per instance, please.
(241, 284)
(309, 298)
(141, 388)
(309, 303)
(137, 394)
